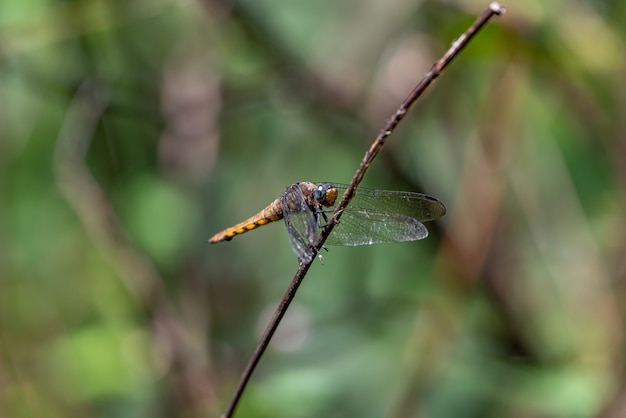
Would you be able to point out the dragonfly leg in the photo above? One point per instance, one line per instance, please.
(319, 254)
(312, 252)
(321, 214)
(321, 258)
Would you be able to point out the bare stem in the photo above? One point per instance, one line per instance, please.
(494, 9)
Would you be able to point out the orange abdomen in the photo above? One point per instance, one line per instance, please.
(273, 212)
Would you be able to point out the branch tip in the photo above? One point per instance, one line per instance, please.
(496, 8)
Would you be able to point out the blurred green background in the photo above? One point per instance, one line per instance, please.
(132, 131)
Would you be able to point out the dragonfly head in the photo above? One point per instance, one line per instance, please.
(326, 194)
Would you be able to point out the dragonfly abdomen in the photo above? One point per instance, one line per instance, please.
(273, 212)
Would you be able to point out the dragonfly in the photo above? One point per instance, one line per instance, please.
(373, 216)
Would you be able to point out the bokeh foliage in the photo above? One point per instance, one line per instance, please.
(132, 131)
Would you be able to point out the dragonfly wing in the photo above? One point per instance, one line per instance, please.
(418, 206)
(300, 222)
(364, 226)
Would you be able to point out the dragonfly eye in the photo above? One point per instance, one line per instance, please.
(326, 194)
(320, 193)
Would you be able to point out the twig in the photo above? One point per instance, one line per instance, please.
(494, 9)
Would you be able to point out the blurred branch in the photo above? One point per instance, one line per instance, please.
(456, 47)
(136, 271)
(293, 71)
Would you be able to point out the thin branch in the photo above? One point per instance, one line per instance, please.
(494, 9)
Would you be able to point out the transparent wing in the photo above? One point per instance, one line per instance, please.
(414, 205)
(378, 216)
(300, 222)
(366, 227)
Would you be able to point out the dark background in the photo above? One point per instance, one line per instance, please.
(132, 131)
